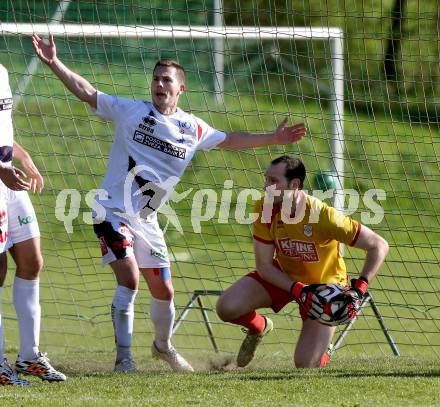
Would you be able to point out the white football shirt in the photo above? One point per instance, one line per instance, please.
(6, 129)
(150, 152)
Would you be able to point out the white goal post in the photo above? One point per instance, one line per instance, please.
(331, 34)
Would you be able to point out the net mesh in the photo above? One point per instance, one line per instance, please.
(390, 140)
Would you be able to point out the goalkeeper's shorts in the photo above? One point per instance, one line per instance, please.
(280, 298)
(21, 222)
(120, 238)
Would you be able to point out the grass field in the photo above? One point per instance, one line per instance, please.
(70, 146)
(349, 382)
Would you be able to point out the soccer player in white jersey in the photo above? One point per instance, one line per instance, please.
(154, 143)
(19, 233)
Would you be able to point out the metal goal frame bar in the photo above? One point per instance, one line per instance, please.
(368, 300)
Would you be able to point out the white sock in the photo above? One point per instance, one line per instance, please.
(27, 306)
(2, 345)
(123, 316)
(162, 315)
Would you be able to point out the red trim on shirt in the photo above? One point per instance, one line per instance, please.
(259, 239)
(199, 131)
(358, 231)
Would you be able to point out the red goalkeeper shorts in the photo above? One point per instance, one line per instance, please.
(280, 298)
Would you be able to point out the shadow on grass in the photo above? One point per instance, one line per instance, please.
(301, 374)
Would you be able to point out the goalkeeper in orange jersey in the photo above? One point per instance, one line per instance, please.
(296, 247)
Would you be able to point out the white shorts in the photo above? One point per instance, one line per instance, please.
(120, 238)
(22, 222)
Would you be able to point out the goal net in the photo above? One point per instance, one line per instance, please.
(245, 71)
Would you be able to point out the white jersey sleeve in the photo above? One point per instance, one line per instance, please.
(6, 128)
(112, 107)
(208, 136)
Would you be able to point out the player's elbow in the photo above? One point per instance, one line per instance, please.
(233, 141)
(227, 143)
(382, 246)
(378, 248)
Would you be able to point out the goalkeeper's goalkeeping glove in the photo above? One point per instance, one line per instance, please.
(352, 298)
(310, 305)
(360, 286)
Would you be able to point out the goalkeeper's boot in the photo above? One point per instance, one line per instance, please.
(8, 376)
(250, 343)
(126, 365)
(39, 367)
(176, 361)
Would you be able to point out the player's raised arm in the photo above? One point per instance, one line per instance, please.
(79, 86)
(282, 135)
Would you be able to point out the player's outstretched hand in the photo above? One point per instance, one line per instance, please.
(289, 134)
(13, 178)
(35, 179)
(46, 52)
(310, 305)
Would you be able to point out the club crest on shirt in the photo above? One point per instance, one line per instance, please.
(186, 126)
(308, 230)
(186, 129)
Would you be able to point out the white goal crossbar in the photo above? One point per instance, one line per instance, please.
(170, 31)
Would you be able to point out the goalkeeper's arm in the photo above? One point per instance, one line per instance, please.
(265, 268)
(79, 86)
(303, 294)
(377, 249)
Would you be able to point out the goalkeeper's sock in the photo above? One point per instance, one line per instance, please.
(162, 314)
(253, 321)
(2, 349)
(27, 306)
(325, 358)
(123, 316)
